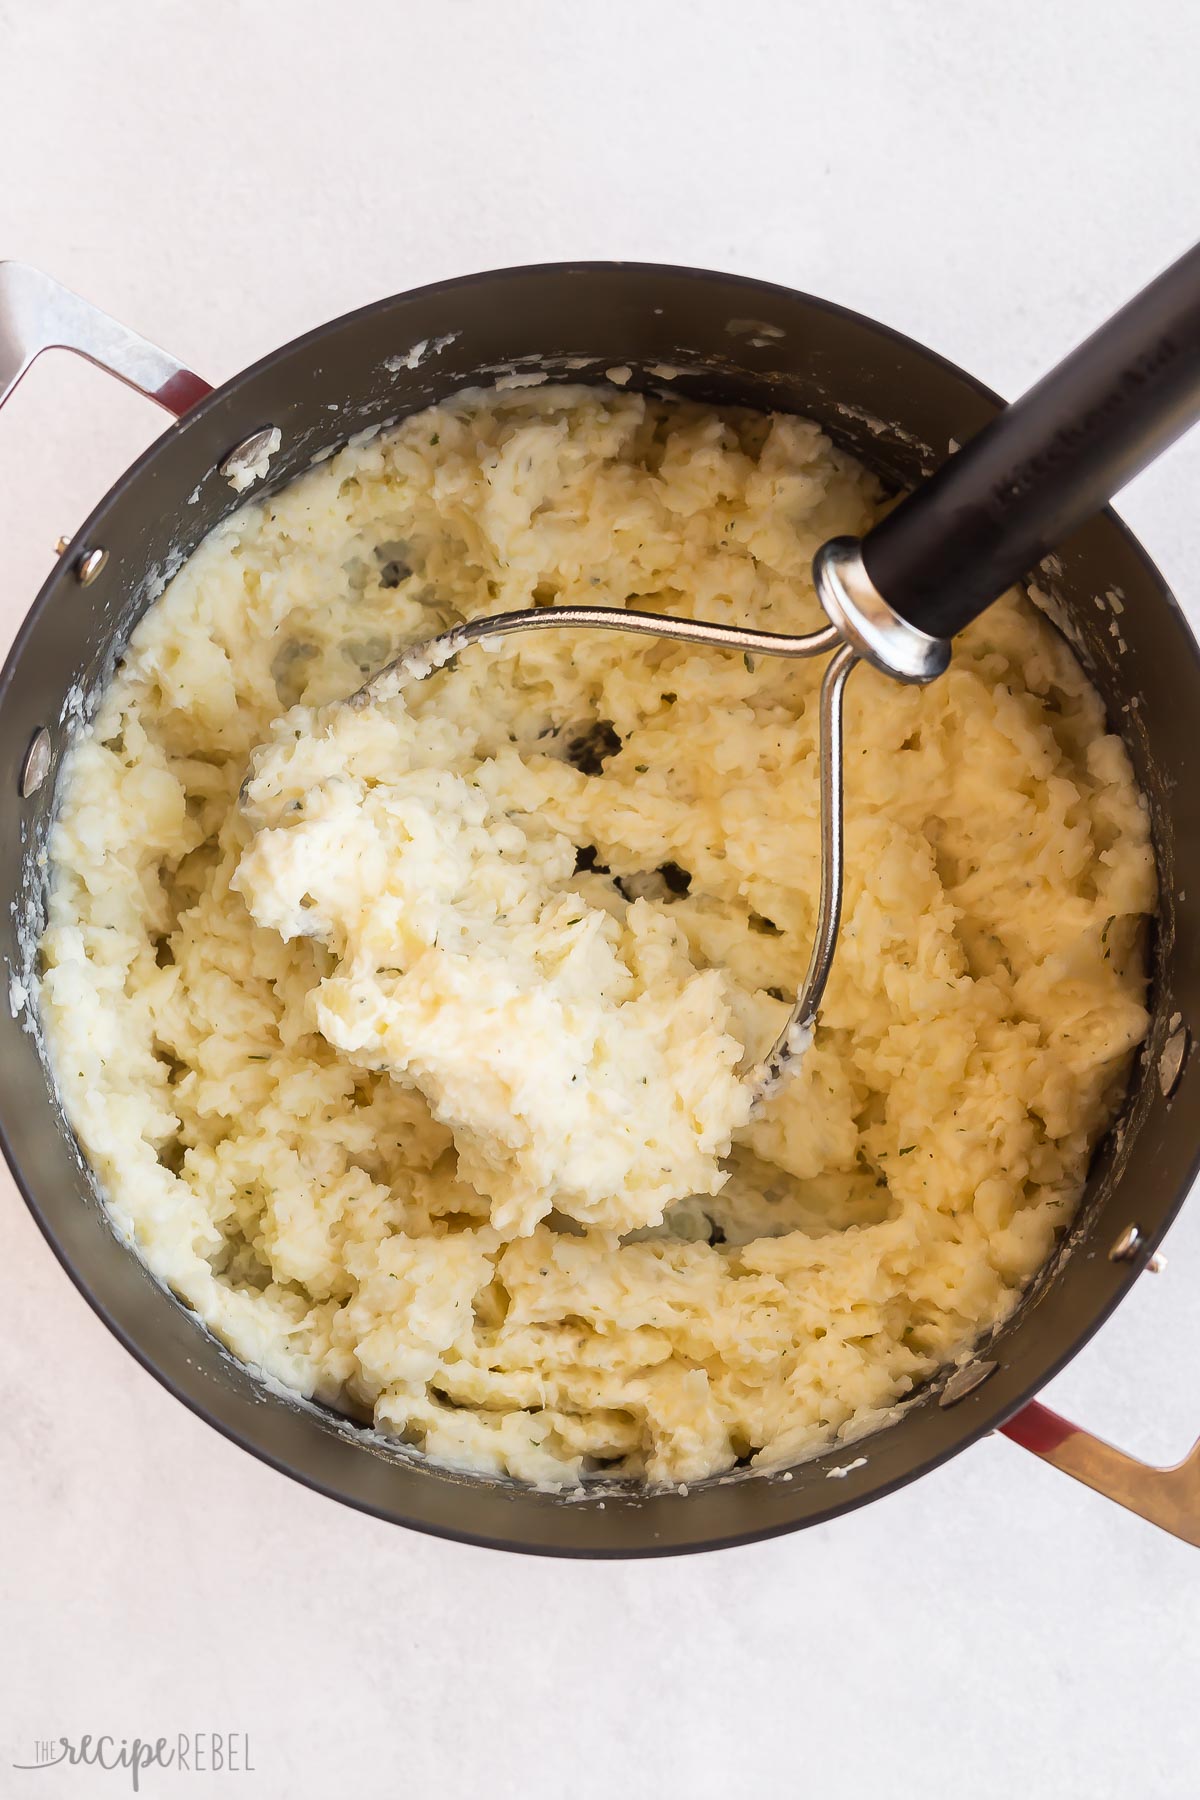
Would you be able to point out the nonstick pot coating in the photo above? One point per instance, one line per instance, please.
(896, 406)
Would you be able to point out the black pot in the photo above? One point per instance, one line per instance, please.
(898, 408)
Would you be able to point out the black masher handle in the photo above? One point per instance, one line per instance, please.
(1046, 463)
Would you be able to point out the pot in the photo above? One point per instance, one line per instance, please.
(899, 408)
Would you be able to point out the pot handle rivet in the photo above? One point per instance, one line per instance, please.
(247, 462)
(1127, 1245)
(965, 1381)
(1174, 1054)
(36, 764)
(89, 565)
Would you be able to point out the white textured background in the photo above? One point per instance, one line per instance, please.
(992, 178)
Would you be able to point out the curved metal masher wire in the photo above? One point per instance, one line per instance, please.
(421, 660)
(796, 1035)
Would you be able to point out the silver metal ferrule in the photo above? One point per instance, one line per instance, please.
(854, 604)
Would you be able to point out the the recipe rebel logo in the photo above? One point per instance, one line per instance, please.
(187, 1753)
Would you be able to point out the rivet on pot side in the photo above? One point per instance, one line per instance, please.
(965, 1381)
(36, 764)
(1127, 1247)
(1174, 1055)
(89, 566)
(247, 461)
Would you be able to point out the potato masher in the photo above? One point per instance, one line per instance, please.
(897, 597)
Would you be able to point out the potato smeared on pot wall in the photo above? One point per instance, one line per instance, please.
(889, 1202)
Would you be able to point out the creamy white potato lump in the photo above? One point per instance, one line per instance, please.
(409, 1214)
(578, 1058)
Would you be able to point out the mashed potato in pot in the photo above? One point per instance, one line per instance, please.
(578, 1058)
(406, 1042)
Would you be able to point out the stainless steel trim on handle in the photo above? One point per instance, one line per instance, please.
(853, 603)
(37, 313)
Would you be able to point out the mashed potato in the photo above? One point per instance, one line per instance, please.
(578, 1058)
(293, 1177)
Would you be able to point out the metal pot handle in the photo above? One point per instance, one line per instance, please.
(38, 313)
(1167, 1497)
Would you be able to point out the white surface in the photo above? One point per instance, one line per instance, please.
(992, 179)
